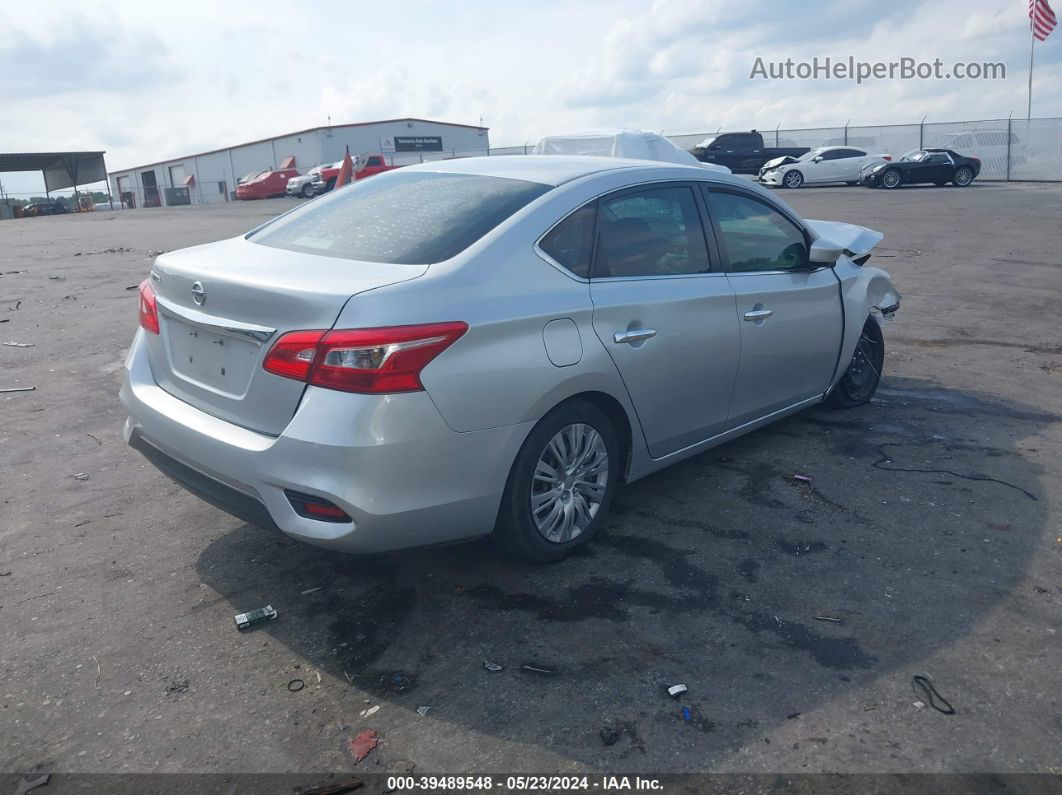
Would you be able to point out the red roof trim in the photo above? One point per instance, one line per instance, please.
(297, 132)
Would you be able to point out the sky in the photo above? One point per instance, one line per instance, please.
(150, 81)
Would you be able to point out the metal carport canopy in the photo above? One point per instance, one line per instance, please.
(60, 169)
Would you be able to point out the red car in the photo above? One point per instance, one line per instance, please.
(266, 185)
(364, 166)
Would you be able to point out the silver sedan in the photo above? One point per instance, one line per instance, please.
(492, 345)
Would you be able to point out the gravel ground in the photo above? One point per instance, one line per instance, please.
(929, 535)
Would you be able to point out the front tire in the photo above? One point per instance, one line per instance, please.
(307, 190)
(561, 484)
(891, 179)
(792, 179)
(962, 177)
(863, 374)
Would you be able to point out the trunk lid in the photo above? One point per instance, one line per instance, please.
(222, 305)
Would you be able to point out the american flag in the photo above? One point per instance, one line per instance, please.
(1043, 19)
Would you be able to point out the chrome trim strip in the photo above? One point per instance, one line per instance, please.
(209, 322)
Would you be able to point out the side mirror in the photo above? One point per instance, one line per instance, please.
(817, 159)
(825, 252)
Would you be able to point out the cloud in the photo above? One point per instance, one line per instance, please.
(79, 55)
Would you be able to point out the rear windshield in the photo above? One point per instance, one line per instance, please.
(401, 217)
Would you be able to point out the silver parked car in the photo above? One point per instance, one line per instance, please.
(492, 345)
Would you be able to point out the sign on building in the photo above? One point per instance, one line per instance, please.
(418, 143)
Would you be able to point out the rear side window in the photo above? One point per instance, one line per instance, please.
(570, 242)
(401, 217)
(650, 232)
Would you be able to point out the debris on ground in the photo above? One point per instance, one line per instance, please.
(537, 669)
(81, 476)
(362, 745)
(923, 687)
(610, 735)
(295, 685)
(492, 667)
(57, 278)
(792, 715)
(19, 344)
(247, 620)
(676, 690)
(6, 320)
(5, 573)
(693, 716)
(337, 788)
(803, 478)
(31, 781)
(370, 711)
(310, 590)
(422, 711)
(827, 618)
(17, 389)
(919, 705)
(132, 287)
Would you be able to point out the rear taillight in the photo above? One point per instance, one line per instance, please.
(887, 158)
(149, 311)
(374, 360)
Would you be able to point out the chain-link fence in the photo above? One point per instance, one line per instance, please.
(1009, 149)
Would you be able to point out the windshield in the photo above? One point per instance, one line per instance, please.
(915, 156)
(261, 176)
(402, 217)
(706, 142)
(252, 176)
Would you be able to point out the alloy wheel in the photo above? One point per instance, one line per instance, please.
(793, 179)
(963, 177)
(569, 483)
(891, 179)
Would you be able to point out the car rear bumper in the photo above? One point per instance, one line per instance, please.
(390, 462)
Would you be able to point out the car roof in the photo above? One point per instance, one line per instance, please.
(558, 169)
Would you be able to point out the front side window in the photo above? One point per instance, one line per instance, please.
(401, 217)
(757, 237)
(650, 232)
(571, 241)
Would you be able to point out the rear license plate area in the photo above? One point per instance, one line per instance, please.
(221, 362)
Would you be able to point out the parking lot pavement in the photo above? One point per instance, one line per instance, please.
(928, 541)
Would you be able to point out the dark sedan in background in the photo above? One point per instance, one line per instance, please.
(933, 166)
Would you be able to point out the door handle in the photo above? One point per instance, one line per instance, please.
(634, 335)
(758, 314)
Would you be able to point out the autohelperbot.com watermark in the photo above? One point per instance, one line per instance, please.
(849, 68)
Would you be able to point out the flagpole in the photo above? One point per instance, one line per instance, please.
(1032, 43)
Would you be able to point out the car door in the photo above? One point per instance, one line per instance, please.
(789, 310)
(938, 167)
(848, 163)
(664, 314)
(821, 167)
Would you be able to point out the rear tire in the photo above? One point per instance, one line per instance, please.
(561, 484)
(863, 374)
(962, 177)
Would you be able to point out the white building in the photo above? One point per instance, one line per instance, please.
(212, 176)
